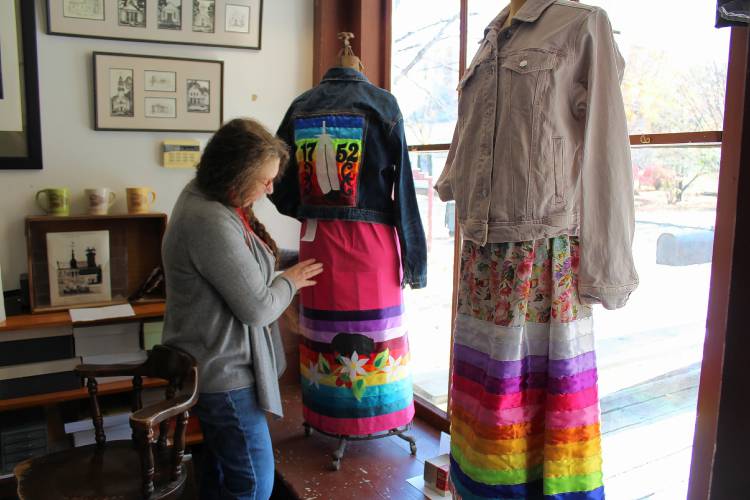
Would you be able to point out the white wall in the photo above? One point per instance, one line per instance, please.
(77, 157)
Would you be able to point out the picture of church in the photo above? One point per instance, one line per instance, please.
(79, 269)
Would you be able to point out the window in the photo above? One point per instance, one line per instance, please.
(649, 352)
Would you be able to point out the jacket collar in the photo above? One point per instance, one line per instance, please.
(531, 11)
(347, 74)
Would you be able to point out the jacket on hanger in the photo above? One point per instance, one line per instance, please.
(350, 161)
(541, 147)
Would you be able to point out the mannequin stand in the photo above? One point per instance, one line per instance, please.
(338, 454)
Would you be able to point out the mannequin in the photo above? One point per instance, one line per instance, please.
(346, 57)
(515, 6)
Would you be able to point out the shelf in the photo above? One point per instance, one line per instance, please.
(62, 318)
(50, 398)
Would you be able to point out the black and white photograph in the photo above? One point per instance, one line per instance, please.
(204, 15)
(237, 18)
(159, 81)
(78, 264)
(160, 107)
(132, 13)
(121, 92)
(198, 96)
(169, 14)
(93, 10)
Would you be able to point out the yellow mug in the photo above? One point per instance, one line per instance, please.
(140, 199)
(56, 201)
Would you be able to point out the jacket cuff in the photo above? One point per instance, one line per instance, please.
(609, 297)
(288, 282)
(414, 283)
(444, 191)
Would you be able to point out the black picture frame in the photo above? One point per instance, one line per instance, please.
(184, 68)
(33, 134)
(122, 33)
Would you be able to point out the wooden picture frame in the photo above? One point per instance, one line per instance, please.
(133, 254)
(126, 96)
(20, 130)
(220, 23)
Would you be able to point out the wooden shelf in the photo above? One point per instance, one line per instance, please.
(62, 318)
(50, 398)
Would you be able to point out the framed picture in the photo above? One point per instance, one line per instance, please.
(221, 23)
(20, 131)
(136, 92)
(160, 81)
(78, 264)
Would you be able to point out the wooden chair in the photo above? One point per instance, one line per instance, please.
(145, 467)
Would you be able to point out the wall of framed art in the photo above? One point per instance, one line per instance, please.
(134, 92)
(223, 23)
(257, 83)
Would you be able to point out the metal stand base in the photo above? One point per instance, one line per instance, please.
(338, 454)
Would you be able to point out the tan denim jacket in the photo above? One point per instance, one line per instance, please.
(541, 146)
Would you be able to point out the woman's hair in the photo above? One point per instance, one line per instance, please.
(231, 162)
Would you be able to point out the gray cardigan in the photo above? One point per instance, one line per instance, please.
(223, 300)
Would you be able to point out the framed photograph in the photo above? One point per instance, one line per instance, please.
(169, 14)
(129, 94)
(161, 107)
(159, 81)
(20, 130)
(92, 10)
(221, 23)
(121, 92)
(237, 18)
(199, 96)
(78, 264)
(131, 13)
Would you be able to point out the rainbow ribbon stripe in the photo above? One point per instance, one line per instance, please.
(525, 411)
(355, 393)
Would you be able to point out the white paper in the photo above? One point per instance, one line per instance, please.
(311, 227)
(418, 483)
(99, 313)
(10, 105)
(445, 443)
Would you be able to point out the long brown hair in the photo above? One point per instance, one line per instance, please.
(231, 161)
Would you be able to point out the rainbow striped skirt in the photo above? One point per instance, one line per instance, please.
(354, 349)
(524, 403)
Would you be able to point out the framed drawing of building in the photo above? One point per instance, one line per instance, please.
(79, 271)
(222, 23)
(136, 92)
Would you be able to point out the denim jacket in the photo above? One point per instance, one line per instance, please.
(350, 161)
(541, 148)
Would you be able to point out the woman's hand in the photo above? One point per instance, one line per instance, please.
(300, 274)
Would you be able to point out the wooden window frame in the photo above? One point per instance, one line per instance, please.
(720, 434)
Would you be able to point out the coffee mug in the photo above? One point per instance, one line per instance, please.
(138, 199)
(99, 200)
(54, 201)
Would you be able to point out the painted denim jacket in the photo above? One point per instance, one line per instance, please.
(350, 161)
(541, 148)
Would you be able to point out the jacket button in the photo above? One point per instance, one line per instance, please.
(523, 63)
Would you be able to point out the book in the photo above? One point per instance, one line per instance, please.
(107, 339)
(37, 378)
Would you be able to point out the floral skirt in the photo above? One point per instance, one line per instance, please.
(354, 350)
(524, 403)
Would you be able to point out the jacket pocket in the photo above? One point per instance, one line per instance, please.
(528, 75)
(558, 153)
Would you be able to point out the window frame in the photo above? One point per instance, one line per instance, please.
(707, 138)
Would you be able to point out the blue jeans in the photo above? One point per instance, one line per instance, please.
(238, 457)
